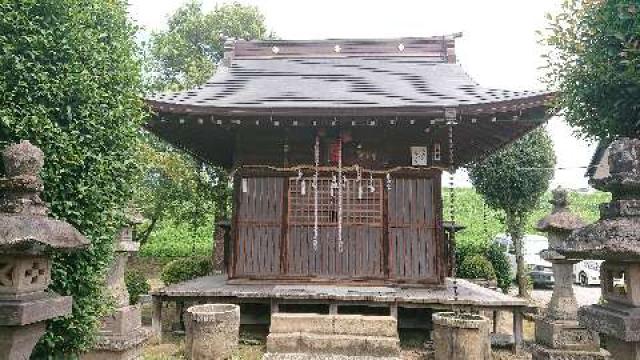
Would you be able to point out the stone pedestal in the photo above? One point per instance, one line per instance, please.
(558, 334)
(461, 336)
(26, 236)
(213, 331)
(333, 336)
(615, 238)
(121, 336)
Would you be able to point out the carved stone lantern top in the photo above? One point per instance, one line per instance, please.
(616, 236)
(24, 225)
(561, 218)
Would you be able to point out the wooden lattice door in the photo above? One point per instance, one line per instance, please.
(259, 226)
(362, 252)
(413, 229)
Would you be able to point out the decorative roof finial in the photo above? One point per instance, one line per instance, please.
(22, 187)
(559, 199)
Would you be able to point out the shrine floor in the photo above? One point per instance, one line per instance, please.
(284, 297)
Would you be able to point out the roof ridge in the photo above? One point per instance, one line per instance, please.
(437, 47)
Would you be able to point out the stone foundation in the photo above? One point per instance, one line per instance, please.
(122, 336)
(346, 336)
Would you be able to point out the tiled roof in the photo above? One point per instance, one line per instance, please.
(349, 79)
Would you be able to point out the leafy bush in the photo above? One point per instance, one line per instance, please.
(171, 239)
(137, 285)
(501, 265)
(476, 267)
(70, 83)
(185, 269)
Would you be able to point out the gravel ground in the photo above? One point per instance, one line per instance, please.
(584, 295)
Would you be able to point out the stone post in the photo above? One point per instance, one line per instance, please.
(121, 336)
(213, 331)
(26, 235)
(615, 238)
(558, 335)
(462, 336)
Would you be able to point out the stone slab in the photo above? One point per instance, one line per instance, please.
(134, 353)
(23, 312)
(334, 324)
(619, 322)
(346, 345)
(123, 321)
(123, 342)
(567, 335)
(541, 353)
(270, 356)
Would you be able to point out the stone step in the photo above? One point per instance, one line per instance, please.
(357, 325)
(348, 345)
(269, 356)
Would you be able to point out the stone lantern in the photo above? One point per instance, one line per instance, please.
(26, 237)
(121, 335)
(558, 334)
(615, 238)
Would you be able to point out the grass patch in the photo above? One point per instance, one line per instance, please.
(173, 240)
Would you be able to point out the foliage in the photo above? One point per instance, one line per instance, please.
(185, 269)
(595, 65)
(173, 239)
(513, 180)
(476, 267)
(137, 284)
(498, 258)
(70, 84)
(175, 188)
(185, 55)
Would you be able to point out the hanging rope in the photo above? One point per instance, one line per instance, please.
(315, 193)
(340, 194)
(452, 209)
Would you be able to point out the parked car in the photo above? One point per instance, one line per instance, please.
(587, 272)
(539, 269)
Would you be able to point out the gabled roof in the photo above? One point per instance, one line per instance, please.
(363, 77)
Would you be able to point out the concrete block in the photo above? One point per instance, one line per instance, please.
(365, 325)
(283, 342)
(291, 323)
(122, 321)
(568, 335)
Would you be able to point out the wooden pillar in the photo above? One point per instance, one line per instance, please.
(179, 312)
(495, 321)
(517, 330)
(156, 318)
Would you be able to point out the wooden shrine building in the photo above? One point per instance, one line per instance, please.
(337, 148)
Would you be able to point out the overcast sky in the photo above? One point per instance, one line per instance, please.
(499, 47)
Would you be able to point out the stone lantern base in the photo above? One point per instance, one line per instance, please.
(619, 323)
(566, 340)
(122, 336)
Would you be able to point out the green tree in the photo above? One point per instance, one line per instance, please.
(594, 63)
(185, 55)
(176, 185)
(70, 83)
(513, 180)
